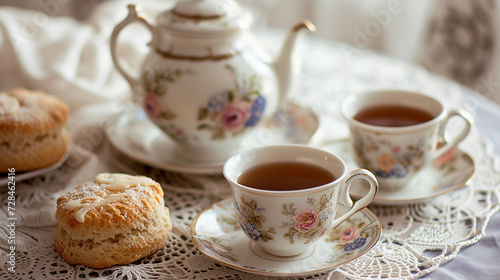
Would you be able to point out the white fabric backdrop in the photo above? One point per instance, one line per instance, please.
(400, 28)
(395, 27)
(376, 24)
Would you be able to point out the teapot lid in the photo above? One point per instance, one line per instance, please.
(205, 17)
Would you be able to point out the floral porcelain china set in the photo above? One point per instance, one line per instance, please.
(204, 95)
(202, 82)
(288, 222)
(216, 233)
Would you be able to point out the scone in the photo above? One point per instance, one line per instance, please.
(116, 219)
(32, 129)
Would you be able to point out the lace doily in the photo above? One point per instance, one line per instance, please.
(416, 239)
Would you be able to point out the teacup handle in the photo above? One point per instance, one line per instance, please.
(345, 198)
(454, 142)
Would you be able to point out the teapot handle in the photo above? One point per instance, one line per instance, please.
(133, 16)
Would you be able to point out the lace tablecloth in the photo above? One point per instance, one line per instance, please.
(416, 239)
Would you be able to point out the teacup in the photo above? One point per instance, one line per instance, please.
(395, 134)
(284, 217)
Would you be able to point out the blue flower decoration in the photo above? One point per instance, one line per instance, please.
(252, 231)
(396, 171)
(355, 244)
(256, 110)
(217, 102)
(382, 173)
(323, 214)
(399, 171)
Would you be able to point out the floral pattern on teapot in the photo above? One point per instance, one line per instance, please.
(231, 111)
(155, 84)
(234, 110)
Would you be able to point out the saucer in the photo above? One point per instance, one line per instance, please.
(24, 175)
(216, 233)
(449, 173)
(138, 138)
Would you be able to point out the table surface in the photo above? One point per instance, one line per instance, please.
(479, 261)
(330, 72)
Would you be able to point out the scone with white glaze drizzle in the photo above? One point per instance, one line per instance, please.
(116, 219)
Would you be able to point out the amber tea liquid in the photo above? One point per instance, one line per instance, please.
(393, 116)
(285, 176)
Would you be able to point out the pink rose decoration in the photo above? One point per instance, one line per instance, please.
(179, 132)
(445, 158)
(152, 106)
(305, 220)
(396, 149)
(348, 234)
(234, 115)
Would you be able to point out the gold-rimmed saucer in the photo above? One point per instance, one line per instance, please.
(215, 232)
(449, 173)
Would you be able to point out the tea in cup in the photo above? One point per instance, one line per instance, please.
(395, 134)
(286, 196)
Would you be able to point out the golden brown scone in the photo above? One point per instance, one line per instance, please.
(32, 129)
(116, 219)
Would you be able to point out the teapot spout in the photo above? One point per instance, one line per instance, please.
(286, 64)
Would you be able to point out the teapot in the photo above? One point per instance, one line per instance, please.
(202, 83)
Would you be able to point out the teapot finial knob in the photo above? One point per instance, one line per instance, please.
(205, 17)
